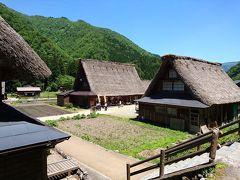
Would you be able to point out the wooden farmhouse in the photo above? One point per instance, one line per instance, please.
(188, 93)
(24, 141)
(104, 82)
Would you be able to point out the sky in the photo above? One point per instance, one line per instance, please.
(206, 29)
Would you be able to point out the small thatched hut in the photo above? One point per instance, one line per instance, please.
(188, 93)
(104, 81)
(24, 141)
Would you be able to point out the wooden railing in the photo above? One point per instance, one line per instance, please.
(170, 155)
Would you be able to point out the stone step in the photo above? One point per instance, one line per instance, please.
(235, 146)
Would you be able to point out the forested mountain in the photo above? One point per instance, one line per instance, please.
(234, 72)
(82, 40)
(60, 42)
(228, 65)
(52, 54)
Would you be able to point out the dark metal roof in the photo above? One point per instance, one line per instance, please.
(83, 93)
(173, 101)
(65, 93)
(19, 131)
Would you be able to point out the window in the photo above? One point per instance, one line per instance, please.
(194, 118)
(167, 86)
(178, 86)
(173, 86)
(172, 74)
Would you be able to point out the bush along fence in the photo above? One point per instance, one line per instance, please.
(204, 143)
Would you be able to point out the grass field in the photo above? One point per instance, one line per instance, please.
(46, 94)
(122, 134)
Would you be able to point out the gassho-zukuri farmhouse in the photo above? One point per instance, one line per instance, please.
(104, 82)
(188, 93)
(24, 141)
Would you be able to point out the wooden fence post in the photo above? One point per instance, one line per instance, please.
(128, 171)
(214, 144)
(239, 127)
(162, 161)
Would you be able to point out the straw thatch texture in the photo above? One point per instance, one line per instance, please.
(17, 59)
(112, 79)
(207, 81)
(146, 83)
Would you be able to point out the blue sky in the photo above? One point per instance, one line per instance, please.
(200, 28)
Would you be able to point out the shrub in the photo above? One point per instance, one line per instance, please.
(93, 115)
(83, 116)
(65, 81)
(52, 86)
(69, 105)
(77, 117)
(62, 119)
(52, 123)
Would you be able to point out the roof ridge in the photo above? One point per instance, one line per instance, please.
(177, 57)
(107, 62)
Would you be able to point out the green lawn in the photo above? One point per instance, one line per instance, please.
(124, 135)
(46, 94)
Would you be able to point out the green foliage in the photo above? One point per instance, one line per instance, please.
(59, 42)
(93, 115)
(52, 123)
(62, 119)
(82, 40)
(77, 117)
(65, 81)
(83, 116)
(68, 105)
(234, 72)
(52, 86)
(48, 94)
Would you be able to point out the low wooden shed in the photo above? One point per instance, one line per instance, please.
(24, 141)
(188, 93)
(104, 82)
(28, 91)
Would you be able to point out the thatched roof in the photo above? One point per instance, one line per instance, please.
(207, 81)
(17, 58)
(111, 78)
(146, 83)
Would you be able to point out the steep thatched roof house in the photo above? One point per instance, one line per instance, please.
(187, 93)
(23, 140)
(105, 81)
(17, 59)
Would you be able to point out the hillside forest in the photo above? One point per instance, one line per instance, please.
(61, 43)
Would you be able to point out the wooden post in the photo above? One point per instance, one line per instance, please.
(162, 161)
(214, 144)
(239, 128)
(128, 172)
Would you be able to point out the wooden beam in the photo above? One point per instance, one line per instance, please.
(214, 144)
(162, 162)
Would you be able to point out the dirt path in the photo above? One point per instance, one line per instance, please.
(125, 111)
(110, 164)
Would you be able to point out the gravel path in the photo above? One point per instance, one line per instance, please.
(109, 163)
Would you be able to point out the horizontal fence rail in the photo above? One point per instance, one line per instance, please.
(210, 137)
